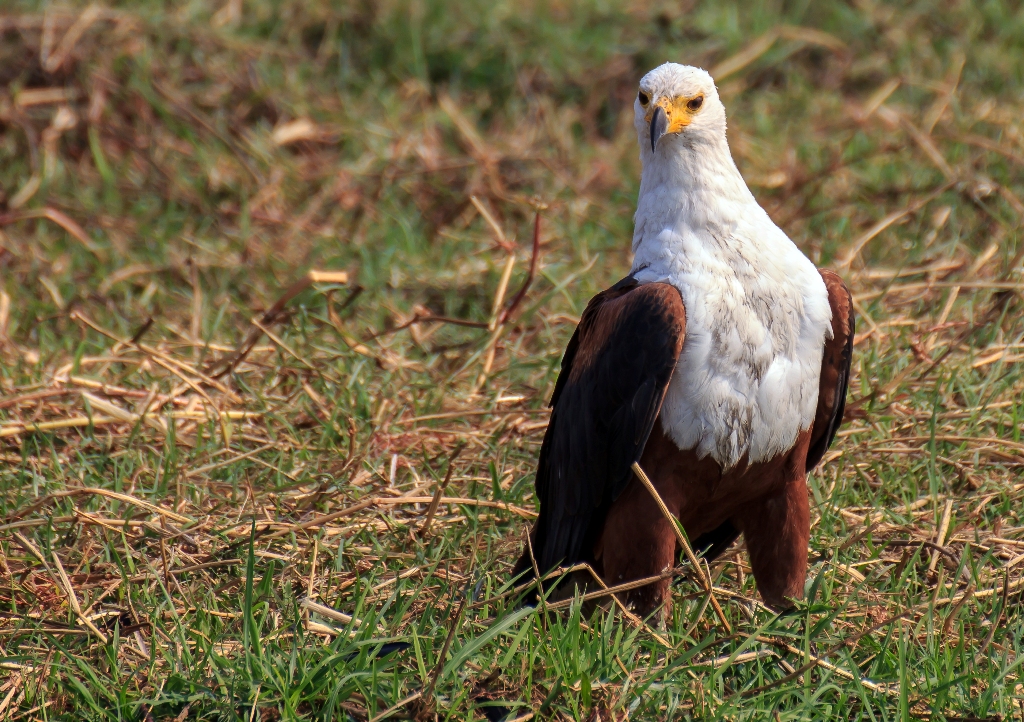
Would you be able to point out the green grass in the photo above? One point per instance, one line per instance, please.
(190, 537)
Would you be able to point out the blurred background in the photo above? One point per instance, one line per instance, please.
(259, 139)
(168, 170)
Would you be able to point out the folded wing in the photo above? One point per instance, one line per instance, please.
(614, 375)
(835, 369)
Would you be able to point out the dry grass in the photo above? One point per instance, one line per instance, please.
(215, 507)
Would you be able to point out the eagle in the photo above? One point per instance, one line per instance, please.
(720, 364)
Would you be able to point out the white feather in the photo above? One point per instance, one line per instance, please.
(757, 311)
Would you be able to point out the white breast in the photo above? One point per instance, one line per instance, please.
(757, 316)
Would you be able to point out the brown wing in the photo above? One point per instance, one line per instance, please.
(835, 369)
(608, 395)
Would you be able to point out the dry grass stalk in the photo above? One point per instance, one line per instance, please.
(698, 569)
(400, 704)
(940, 535)
(69, 591)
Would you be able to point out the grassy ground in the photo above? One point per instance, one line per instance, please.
(169, 170)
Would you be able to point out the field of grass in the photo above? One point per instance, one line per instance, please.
(216, 506)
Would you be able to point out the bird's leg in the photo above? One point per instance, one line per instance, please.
(638, 542)
(776, 529)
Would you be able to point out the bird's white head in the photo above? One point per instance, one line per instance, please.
(689, 179)
(677, 105)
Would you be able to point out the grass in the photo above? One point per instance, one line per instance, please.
(169, 170)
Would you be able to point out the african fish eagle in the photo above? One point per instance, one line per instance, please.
(720, 364)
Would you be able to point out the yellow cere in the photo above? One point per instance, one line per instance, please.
(679, 110)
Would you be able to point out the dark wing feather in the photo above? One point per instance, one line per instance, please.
(835, 370)
(607, 397)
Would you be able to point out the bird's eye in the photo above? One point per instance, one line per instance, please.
(695, 103)
(643, 97)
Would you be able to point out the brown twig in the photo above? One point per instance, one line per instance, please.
(436, 501)
(429, 691)
(274, 311)
(948, 624)
(513, 305)
(428, 318)
(995, 622)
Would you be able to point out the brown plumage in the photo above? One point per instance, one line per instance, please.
(606, 405)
